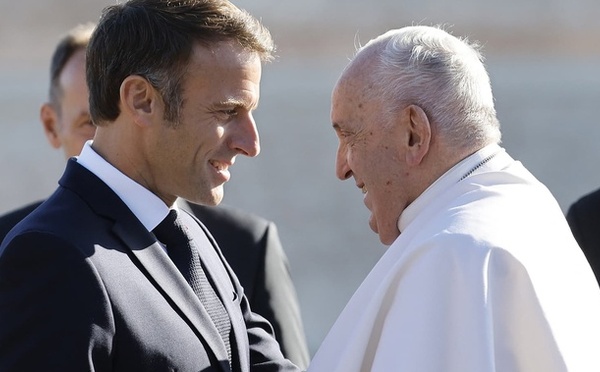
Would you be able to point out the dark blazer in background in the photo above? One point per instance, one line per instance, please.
(10, 219)
(253, 249)
(584, 219)
(84, 286)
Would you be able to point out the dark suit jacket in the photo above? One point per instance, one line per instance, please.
(252, 247)
(10, 219)
(84, 286)
(584, 218)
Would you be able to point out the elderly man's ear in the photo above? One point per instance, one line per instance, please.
(419, 134)
(50, 122)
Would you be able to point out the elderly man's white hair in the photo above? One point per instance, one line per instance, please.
(440, 73)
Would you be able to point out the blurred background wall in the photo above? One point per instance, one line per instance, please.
(543, 57)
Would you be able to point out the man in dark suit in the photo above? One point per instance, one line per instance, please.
(84, 282)
(65, 117)
(250, 243)
(584, 219)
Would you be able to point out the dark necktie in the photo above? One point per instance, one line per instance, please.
(173, 233)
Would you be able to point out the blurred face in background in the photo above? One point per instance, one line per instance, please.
(69, 125)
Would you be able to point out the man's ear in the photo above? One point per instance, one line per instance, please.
(419, 134)
(138, 99)
(49, 119)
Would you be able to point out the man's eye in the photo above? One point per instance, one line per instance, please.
(343, 134)
(232, 112)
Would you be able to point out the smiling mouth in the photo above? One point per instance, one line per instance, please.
(219, 166)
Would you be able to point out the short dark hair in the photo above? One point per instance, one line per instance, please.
(73, 41)
(154, 39)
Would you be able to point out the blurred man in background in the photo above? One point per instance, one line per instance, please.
(65, 117)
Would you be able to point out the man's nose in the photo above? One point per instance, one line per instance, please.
(342, 169)
(245, 139)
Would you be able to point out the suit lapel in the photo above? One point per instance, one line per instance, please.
(158, 267)
(173, 286)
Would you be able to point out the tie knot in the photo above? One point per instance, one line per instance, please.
(171, 230)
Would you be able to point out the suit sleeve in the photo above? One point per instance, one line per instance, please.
(265, 353)
(54, 310)
(9, 220)
(275, 298)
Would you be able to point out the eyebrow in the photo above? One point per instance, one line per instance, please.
(237, 103)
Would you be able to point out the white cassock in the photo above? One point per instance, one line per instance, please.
(485, 276)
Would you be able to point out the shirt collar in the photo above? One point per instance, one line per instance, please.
(144, 204)
(455, 174)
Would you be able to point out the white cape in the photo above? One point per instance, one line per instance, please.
(485, 276)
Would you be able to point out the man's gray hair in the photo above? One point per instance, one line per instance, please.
(443, 75)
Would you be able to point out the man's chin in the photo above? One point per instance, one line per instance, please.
(211, 199)
(215, 196)
(373, 224)
(388, 240)
(385, 237)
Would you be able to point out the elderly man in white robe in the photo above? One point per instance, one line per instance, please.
(482, 273)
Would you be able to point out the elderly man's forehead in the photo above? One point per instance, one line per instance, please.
(362, 66)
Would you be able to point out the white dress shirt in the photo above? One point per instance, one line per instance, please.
(144, 204)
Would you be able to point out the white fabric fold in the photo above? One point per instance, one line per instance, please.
(485, 276)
